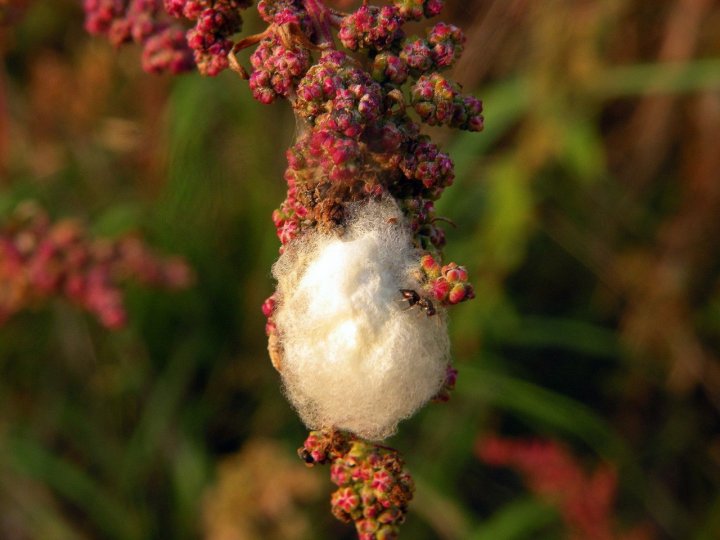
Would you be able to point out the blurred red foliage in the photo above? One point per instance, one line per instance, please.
(585, 501)
(40, 260)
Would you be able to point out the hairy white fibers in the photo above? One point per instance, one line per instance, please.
(355, 357)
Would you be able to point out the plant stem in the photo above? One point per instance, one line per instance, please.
(321, 19)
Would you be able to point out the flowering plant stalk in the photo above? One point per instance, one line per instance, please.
(41, 260)
(356, 326)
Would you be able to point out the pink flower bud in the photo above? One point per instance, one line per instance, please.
(361, 473)
(381, 481)
(452, 275)
(457, 293)
(391, 515)
(339, 474)
(268, 306)
(430, 266)
(440, 289)
(433, 7)
(345, 499)
(366, 527)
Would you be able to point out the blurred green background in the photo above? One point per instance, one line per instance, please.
(588, 215)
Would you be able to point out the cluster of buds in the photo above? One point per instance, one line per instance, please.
(165, 47)
(448, 386)
(268, 309)
(277, 67)
(415, 10)
(291, 214)
(274, 344)
(425, 164)
(438, 101)
(40, 260)
(371, 27)
(374, 490)
(441, 47)
(424, 223)
(359, 142)
(447, 284)
(215, 22)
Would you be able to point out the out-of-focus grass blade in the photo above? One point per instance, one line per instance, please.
(160, 408)
(199, 190)
(97, 446)
(446, 517)
(44, 521)
(540, 406)
(710, 528)
(515, 521)
(503, 232)
(503, 105)
(658, 78)
(569, 334)
(447, 432)
(118, 219)
(189, 473)
(192, 172)
(30, 458)
(582, 150)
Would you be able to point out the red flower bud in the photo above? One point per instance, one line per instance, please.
(268, 306)
(440, 289)
(452, 275)
(430, 266)
(457, 293)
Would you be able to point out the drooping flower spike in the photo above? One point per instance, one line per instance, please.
(357, 324)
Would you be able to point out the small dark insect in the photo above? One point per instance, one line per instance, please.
(414, 299)
(306, 456)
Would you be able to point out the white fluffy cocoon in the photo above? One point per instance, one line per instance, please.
(355, 356)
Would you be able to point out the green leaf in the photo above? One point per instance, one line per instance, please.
(446, 517)
(582, 150)
(516, 520)
(569, 334)
(658, 78)
(31, 458)
(118, 219)
(157, 421)
(539, 406)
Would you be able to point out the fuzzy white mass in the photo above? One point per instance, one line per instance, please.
(355, 356)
